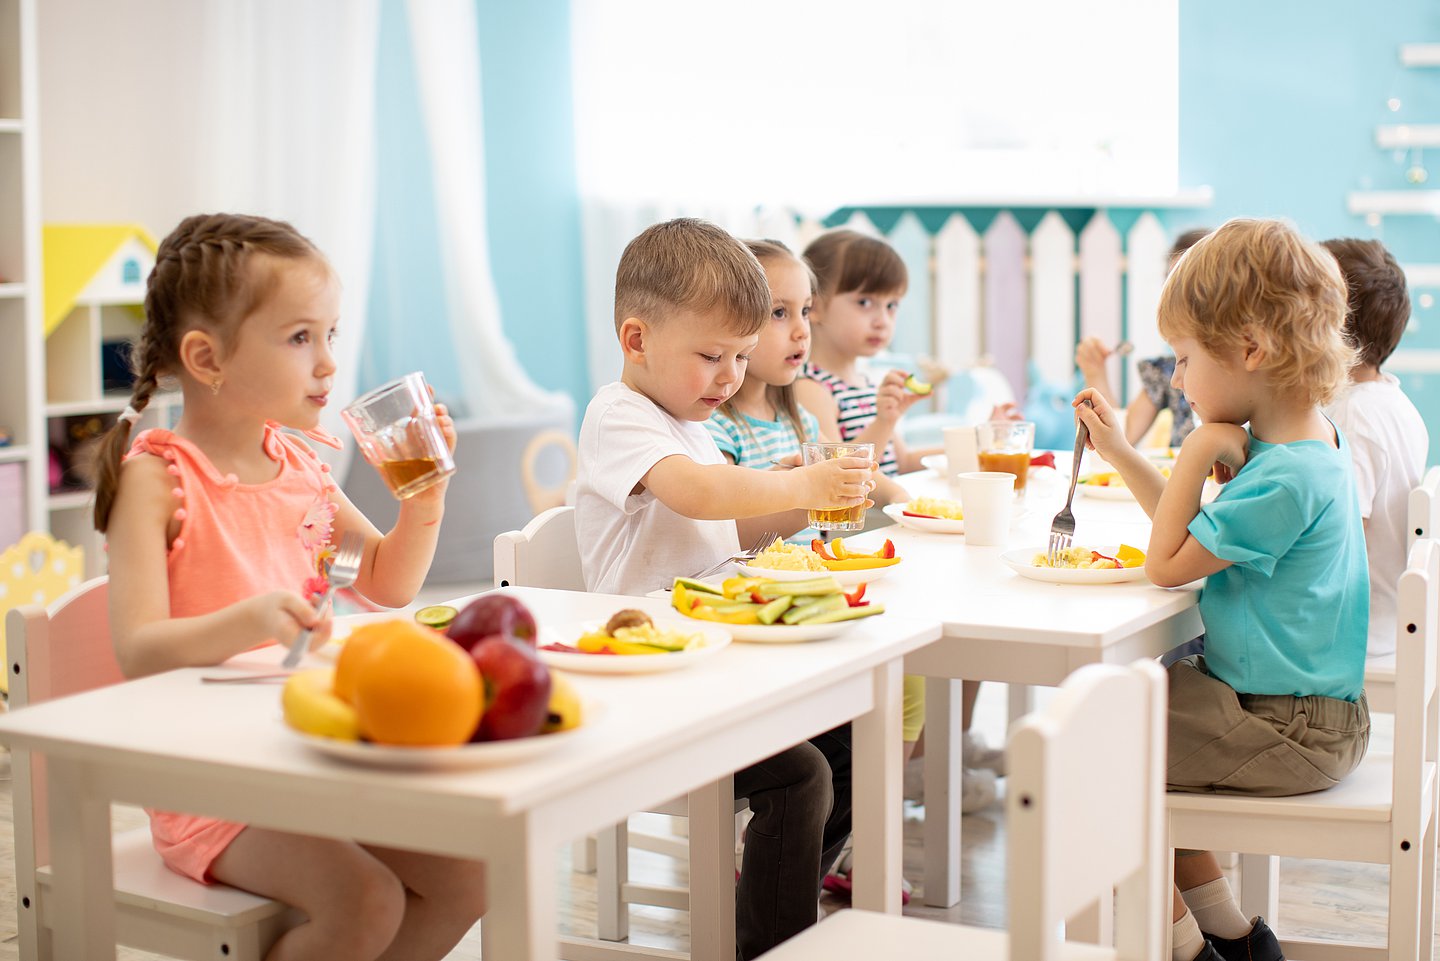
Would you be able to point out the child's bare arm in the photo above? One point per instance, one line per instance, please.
(727, 492)
(1175, 557)
(147, 639)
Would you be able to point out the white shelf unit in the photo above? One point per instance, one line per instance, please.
(23, 462)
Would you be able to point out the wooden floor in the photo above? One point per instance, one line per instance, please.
(1318, 899)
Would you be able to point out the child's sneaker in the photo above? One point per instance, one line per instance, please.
(978, 755)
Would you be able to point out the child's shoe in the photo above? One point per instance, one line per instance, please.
(1259, 945)
(978, 755)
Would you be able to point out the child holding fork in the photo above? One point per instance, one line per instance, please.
(217, 531)
(1275, 705)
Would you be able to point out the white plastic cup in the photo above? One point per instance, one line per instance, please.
(961, 452)
(986, 498)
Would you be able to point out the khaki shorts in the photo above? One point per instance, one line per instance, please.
(1264, 745)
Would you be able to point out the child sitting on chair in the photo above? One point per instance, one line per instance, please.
(1275, 705)
(655, 498)
(1387, 437)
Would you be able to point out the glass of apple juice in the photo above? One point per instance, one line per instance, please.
(397, 431)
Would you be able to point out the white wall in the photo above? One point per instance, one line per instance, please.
(120, 103)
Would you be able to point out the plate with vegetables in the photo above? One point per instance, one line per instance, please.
(766, 610)
(631, 642)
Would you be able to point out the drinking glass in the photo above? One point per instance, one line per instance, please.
(836, 518)
(399, 435)
(1005, 445)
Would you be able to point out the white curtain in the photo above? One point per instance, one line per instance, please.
(445, 39)
(289, 132)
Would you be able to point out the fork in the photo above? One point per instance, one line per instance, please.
(764, 541)
(1062, 528)
(343, 571)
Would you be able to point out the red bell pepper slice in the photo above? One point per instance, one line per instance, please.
(818, 546)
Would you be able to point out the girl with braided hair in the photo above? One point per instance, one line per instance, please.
(216, 527)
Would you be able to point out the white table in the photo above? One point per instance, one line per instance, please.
(168, 741)
(999, 626)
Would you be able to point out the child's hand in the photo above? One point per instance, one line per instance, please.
(892, 399)
(842, 482)
(1106, 435)
(1225, 446)
(282, 615)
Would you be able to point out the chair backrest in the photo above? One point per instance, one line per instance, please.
(1424, 512)
(542, 497)
(544, 554)
(52, 652)
(1085, 810)
(1417, 679)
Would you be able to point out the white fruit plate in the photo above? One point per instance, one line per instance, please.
(715, 638)
(1021, 561)
(930, 525)
(843, 578)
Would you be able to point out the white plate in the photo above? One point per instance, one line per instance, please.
(484, 754)
(1019, 561)
(715, 638)
(936, 462)
(843, 578)
(932, 525)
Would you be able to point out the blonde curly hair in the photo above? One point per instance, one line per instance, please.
(1260, 279)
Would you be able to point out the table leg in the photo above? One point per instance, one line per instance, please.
(878, 786)
(943, 770)
(712, 871)
(83, 896)
(520, 914)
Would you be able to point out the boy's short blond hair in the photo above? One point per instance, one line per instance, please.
(1262, 279)
(690, 264)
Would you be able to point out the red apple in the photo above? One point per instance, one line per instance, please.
(492, 614)
(517, 688)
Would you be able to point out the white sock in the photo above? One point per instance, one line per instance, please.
(1186, 941)
(1216, 911)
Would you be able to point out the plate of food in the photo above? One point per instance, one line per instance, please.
(1109, 564)
(794, 562)
(480, 754)
(771, 611)
(631, 642)
(934, 515)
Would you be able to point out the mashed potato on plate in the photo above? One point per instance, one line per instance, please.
(781, 556)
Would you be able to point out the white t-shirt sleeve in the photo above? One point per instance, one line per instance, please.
(635, 440)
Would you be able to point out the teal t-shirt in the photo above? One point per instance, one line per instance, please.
(1290, 615)
(764, 440)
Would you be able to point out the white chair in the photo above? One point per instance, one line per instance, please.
(66, 650)
(1383, 813)
(1424, 521)
(546, 554)
(1084, 809)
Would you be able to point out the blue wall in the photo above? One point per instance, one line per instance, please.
(532, 205)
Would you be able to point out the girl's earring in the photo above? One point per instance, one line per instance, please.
(215, 386)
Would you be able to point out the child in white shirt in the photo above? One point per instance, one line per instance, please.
(655, 498)
(1388, 441)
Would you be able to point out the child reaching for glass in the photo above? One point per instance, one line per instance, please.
(217, 533)
(1274, 706)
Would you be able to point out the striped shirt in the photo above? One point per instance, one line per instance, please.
(856, 406)
(765, 440)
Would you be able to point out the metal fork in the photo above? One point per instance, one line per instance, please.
(764, 541)
(1062, 528)
(343, 571)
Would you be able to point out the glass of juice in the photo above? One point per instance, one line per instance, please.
(397, 431)
(1006, 445)
(836, 518)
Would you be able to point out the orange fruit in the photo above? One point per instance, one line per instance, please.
(357, 647)
(417, 688)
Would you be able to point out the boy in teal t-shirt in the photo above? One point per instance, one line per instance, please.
(1275, 706)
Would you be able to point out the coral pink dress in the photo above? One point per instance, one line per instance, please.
(236, 541)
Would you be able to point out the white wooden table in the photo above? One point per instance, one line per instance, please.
(999, 626)
(170, 742)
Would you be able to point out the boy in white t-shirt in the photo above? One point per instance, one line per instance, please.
(656, 499)
(1388, 441)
